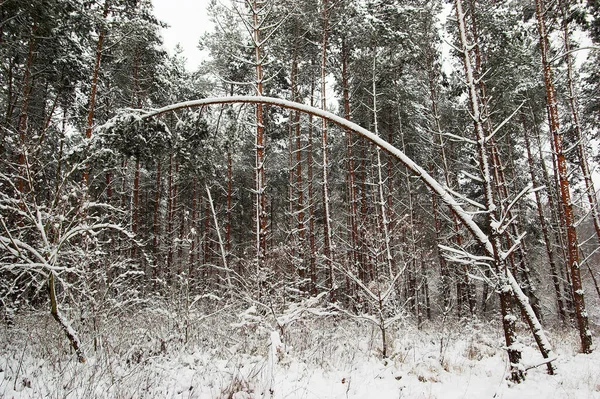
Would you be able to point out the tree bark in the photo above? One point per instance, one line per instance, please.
(327, 232)
(22, 124)
(567, 206)
(576, 123)
(94, 88)
(350, 175)
(543, 225)
(465, 218)
(261, 202)
(63, 322)
(311, 198)
(500, 267)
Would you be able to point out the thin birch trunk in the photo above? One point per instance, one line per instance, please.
(135, 210)
(229, 205)
(63, 322)
(193, 231)
(220, 240)
(170, 212)
(412, 294)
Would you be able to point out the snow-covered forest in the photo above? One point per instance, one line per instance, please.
(347, 199)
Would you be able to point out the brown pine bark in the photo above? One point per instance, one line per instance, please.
(576, 121)
(565, 194)
(556, 221)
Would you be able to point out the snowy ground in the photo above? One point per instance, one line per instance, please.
(229, 356)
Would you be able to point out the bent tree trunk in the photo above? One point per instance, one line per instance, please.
(63, 322)
(450, 201)
(500, 266)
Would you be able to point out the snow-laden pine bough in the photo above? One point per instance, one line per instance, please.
(508, 281)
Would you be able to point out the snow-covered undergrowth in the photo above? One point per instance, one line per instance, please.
(241, 354)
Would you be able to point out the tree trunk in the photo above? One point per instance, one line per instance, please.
(135, 205)
(63, 322)
(229, 209)
(508, 319)
(449, 199)
(579, 135)
(543, 225)
(155, 232)
(311, 198)
(94, 88)
(389, 259)
(22, 124)
(355, 256)
(261, 202)
(170, 212)
(327, 232)
(567, 206)
(463, 285)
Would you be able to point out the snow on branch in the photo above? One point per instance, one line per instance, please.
(421, 173)
(516, 245)
(463, 256)
(504, 122)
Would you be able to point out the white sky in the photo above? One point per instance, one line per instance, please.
(188, 20)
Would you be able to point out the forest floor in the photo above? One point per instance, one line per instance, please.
(240, 354)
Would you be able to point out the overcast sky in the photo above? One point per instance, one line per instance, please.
(188, 21)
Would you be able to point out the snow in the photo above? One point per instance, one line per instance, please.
(447, 197)
(318, 358)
